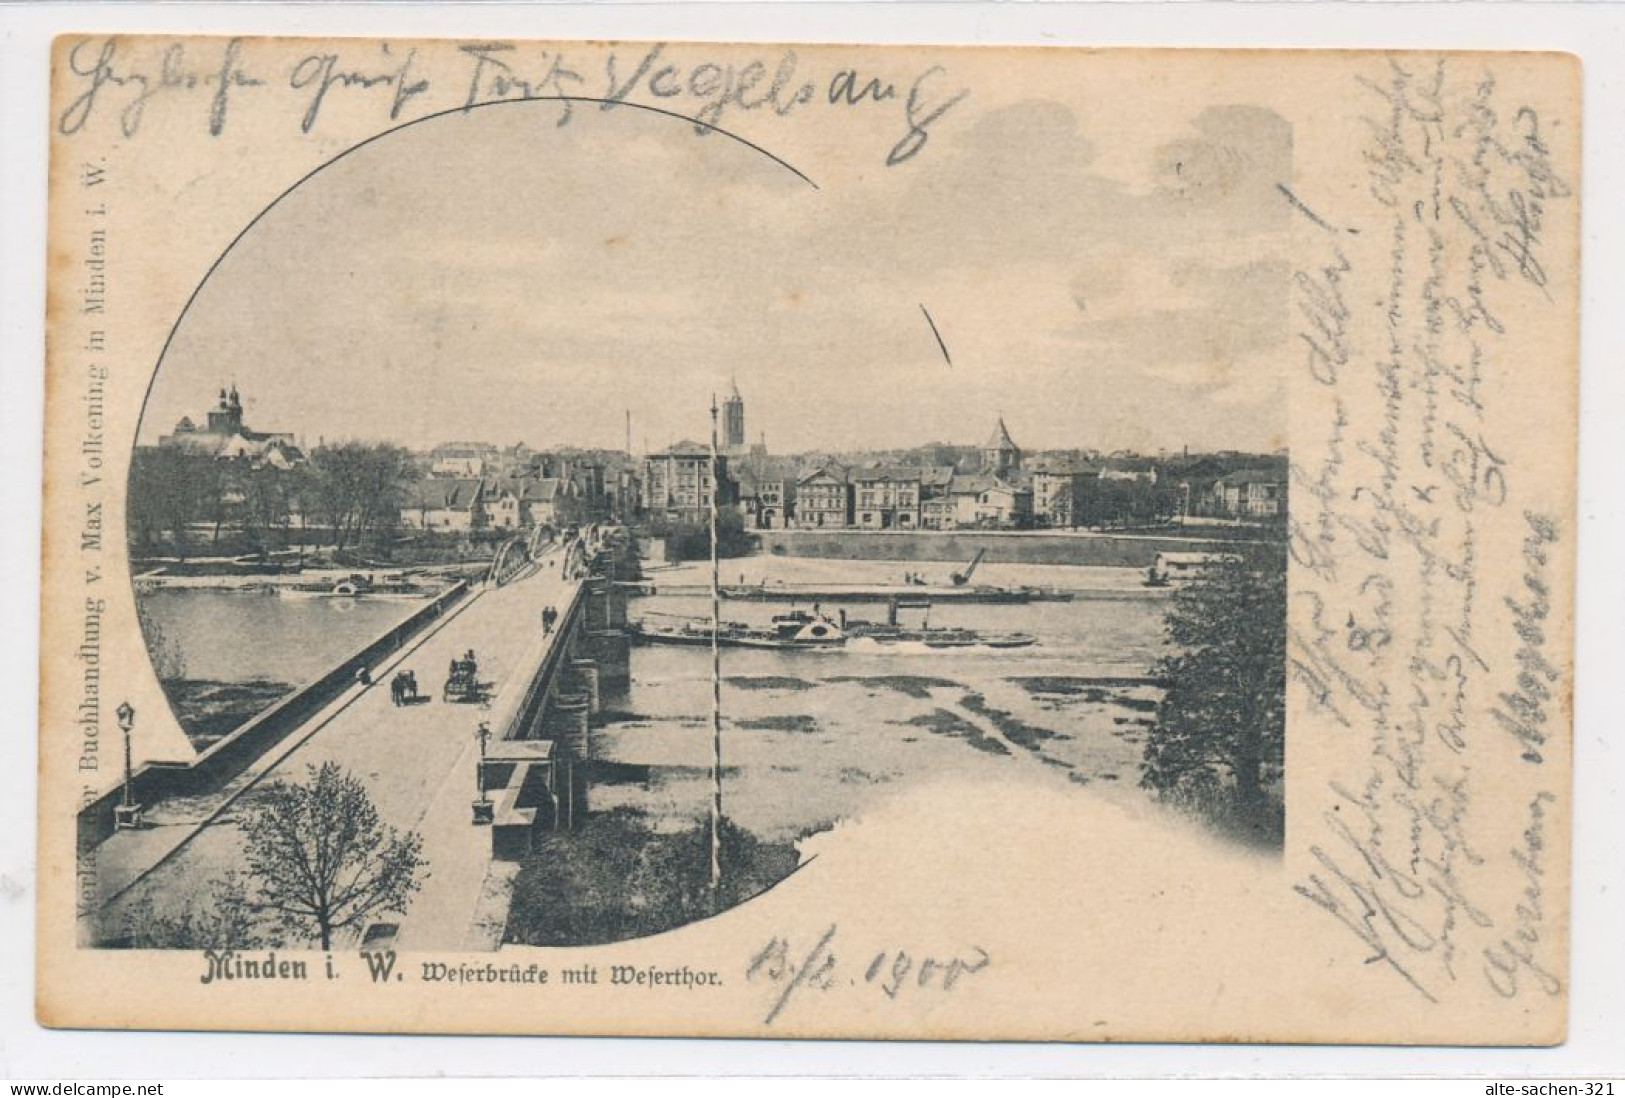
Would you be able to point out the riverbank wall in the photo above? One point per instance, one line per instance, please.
(1000, 547)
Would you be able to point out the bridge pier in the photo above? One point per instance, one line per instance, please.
(568, 724)
(606, 605)
(596, 610)
(611, 650)
(586, 675)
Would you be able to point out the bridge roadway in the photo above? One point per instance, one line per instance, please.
(418, 763)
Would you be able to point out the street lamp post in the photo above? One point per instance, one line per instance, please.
(484, 813)
(127, 814)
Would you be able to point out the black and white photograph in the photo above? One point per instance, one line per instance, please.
(547, 522)
(809, 541)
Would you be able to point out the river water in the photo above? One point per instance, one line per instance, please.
(230, 636)
(810, 737)
(813, 736)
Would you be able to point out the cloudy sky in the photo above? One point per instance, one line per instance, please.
(495, 276)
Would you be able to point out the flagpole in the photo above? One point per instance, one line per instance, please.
(716, 668)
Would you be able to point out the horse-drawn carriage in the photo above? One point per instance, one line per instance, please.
(463, 683)
(403, 689)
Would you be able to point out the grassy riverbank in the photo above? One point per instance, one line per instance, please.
(209, 710)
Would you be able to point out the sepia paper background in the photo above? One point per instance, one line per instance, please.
(1100, 926)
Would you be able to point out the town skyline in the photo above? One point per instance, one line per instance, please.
(225, 463)
(155, 434)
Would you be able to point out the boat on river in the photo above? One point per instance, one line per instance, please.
(797, 629)
(859, 593)
(810, 629)
(357, 585)
(937, 636)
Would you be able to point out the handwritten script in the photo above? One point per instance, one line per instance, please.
(214, 78)
(1392, 619)
(792, 971)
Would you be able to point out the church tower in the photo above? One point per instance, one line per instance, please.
(733, 421)
(227, 417)
(1001, 455)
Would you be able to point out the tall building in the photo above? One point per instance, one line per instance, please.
(1001, 456)
(824, 498)
(1063, 491)
(733, 422)
(677, 483)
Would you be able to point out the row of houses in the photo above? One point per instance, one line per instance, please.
(891, 497)
(1055, 495)
(901, 497)
(470, 485)
(1003, 491)
(460, 504)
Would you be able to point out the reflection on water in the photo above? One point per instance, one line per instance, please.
(813, 736)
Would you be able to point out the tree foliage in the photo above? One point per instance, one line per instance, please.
(168, 660)
(353, 490)
(617, 877)
(168, 492)
(692, 541)
(1125, 503)
(323, 859)
(359, 488)
(1220, 732)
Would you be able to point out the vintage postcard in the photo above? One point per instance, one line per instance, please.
(809, 541)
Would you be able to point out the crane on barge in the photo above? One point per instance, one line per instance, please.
(960, 579)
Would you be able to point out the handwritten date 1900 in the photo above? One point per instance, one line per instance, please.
(892, 971)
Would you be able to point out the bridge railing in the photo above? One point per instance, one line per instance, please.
(233, 753)
(517, 711)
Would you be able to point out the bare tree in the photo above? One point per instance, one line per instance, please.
(323, 859)
(359, 488)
